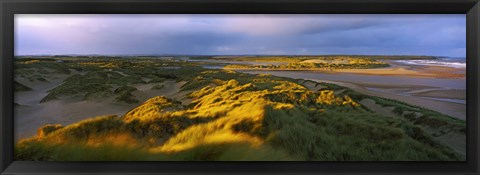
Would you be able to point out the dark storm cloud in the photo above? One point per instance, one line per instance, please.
(241, 34)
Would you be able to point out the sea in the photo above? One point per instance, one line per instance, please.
(455, 62)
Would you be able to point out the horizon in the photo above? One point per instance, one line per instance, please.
(73, 55)
(220, 35)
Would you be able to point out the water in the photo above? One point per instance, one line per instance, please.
(455, 62)
(212, 67)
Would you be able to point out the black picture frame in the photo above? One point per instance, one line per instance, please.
(10, 7)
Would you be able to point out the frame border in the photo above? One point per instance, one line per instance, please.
(10, 7)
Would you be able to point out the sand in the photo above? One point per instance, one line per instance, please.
(312, 86)
(394, 71)
(170, 89)
(29, 119)
(399, 69)
(385, 111)
(33, 114)
(453, 94)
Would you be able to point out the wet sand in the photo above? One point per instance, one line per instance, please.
(452, 94)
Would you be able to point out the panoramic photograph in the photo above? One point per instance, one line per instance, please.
(244, 87)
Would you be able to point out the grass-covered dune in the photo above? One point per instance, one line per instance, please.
(236, 116)
(299, 58)
(34, 70)
(100, 79)
(350, 64)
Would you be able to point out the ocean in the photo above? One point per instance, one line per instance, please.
(455, 62)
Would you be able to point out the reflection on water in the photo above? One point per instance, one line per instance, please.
(212, 67)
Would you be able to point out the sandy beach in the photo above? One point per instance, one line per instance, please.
(402, 69)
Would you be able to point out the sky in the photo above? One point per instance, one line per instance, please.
(319, 34)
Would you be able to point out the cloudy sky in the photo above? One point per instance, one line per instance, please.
(440, 35)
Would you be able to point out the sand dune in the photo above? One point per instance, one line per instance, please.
(35, 114)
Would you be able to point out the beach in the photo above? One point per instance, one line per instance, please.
(409, 70)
